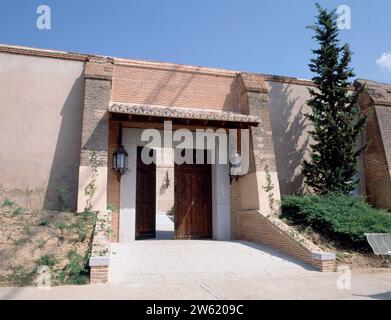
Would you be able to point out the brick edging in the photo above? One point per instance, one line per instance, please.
(100, 256)
(271, 231)
(99, 274)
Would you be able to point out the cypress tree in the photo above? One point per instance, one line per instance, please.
(335, 114)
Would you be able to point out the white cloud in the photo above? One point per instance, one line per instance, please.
(384, 62)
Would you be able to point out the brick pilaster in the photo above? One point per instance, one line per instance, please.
(254, 101)
(95, 131)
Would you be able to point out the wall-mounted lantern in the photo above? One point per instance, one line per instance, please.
(235, 170)
(167, 180)
(120, 160)
(120, 157)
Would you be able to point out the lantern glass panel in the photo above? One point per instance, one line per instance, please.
(120, 161)
(115, 161)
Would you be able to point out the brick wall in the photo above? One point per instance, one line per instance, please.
(377, 173)
(95, 131)
(175, 87)
(258, 228)
(100, 252)
(171, 85)
(99, 274)
(113, 184)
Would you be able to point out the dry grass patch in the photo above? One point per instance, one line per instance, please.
(29, 239)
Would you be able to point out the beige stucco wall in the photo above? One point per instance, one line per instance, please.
(40, 126)
(164, 169)
(164, 193)
(253, 195)
(287, 105)
(99, 198)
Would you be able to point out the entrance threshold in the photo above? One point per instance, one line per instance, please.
(164, 227)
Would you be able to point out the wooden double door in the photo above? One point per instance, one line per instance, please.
(193, 200)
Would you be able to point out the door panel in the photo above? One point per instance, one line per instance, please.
(145, 198)
(193, 205)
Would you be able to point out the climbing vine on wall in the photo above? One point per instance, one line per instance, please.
(90, 189)
(268, 187)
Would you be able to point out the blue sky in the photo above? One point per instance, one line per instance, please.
(265, 36)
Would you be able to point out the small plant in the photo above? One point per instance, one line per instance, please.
(21, 241)
(39, 191)
(108, 232)
(76, 271)
(17, 211)
(86, 215)
(44, 222)
(27, 230)
(41, 243)
(28, 193)
(62, 192)
(61, 226)
(102, 252)
(81, 232)
(112, 208)
(7, 203)
(269, 189)
(47, 260)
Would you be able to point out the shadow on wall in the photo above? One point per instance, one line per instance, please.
(61, 192)
(290, 137)
(233, 91)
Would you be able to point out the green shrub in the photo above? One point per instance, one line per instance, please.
(76, 271)
(82, 233)
(61, 226)
(7, 203)
(343, 218)
(47, 260)
(17, 211)
(112, 208)
(89, 216)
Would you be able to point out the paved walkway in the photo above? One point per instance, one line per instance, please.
(310, 286)
(169, 260)
(166, 269)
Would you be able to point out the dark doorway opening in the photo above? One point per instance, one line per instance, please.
(146, 195)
